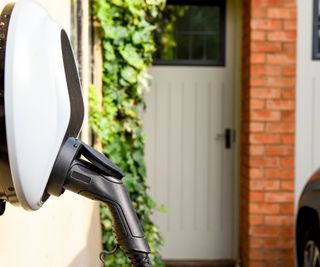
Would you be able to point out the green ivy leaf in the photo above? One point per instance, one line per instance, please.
(127, 28)
(131, 55)
(129, 74)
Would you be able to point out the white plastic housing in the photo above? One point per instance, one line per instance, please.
(37, 104)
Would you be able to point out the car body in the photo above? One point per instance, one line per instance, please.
(307, 224)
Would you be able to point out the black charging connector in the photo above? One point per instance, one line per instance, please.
(84, 171)
(2, 207)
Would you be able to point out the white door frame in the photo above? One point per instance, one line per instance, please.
(235, 16)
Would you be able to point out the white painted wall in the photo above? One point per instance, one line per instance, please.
(308, 100)
(65, 232)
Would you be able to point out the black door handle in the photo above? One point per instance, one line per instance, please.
(227, 138)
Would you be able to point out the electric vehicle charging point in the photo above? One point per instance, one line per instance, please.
(41, 112)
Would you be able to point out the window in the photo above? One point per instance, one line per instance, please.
(196, 33)
(316, 30)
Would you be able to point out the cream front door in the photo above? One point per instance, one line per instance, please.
(190, 165)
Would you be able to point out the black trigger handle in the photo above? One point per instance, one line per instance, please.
(101, 162)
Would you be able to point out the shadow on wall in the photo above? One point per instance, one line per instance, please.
(66, 230)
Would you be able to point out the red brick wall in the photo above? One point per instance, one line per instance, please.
(267, 141)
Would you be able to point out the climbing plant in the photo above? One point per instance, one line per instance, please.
(164, 34)
(126, 29)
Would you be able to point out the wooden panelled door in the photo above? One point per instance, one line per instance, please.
(189, 112)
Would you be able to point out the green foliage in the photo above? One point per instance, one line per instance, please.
(164, 34)
(128, 45)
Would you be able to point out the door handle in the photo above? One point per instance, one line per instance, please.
(227, 139)
(227, 136)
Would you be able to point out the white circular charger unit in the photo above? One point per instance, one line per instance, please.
(41, 99)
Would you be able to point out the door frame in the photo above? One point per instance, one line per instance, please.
(236, 11)
(234, 8)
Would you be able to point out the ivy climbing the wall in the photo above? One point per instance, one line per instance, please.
(126, 30)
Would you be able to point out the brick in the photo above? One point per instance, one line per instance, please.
(276, 173)
(290, 24)
(254, 263)
(288, 139)
(264, 231)
(281, 13)
(265, 93)
(266, 24)
(256, 219)
(287, 162)
(279, 197)
(257, 58)
(256, 150)
(266, 47)
(268, 138)
(259, 13)
(262, 70)
(288, 116)
(254, 127)
(286, 231)
(287, 185)
(261, 253)
(256, 104)
(266, 3)
(278, 220)
(279, 104)
(290, 49)
(289, 3)
(278, 242)
(256, 197)
(257, 81)
(288, 256)
(288, 93)
(282, 36)
(280, 82)
(278, 150)
(287, 208)
(265, 115)
(283, 59)
(289, 71)
(264, 185)
(264, 208)
(256, 173)
(264, 138)
(256, 242)
(280, 262)
(256, 161)
(258, 35)
(280, 127)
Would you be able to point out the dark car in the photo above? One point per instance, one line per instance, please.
(307, 225)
